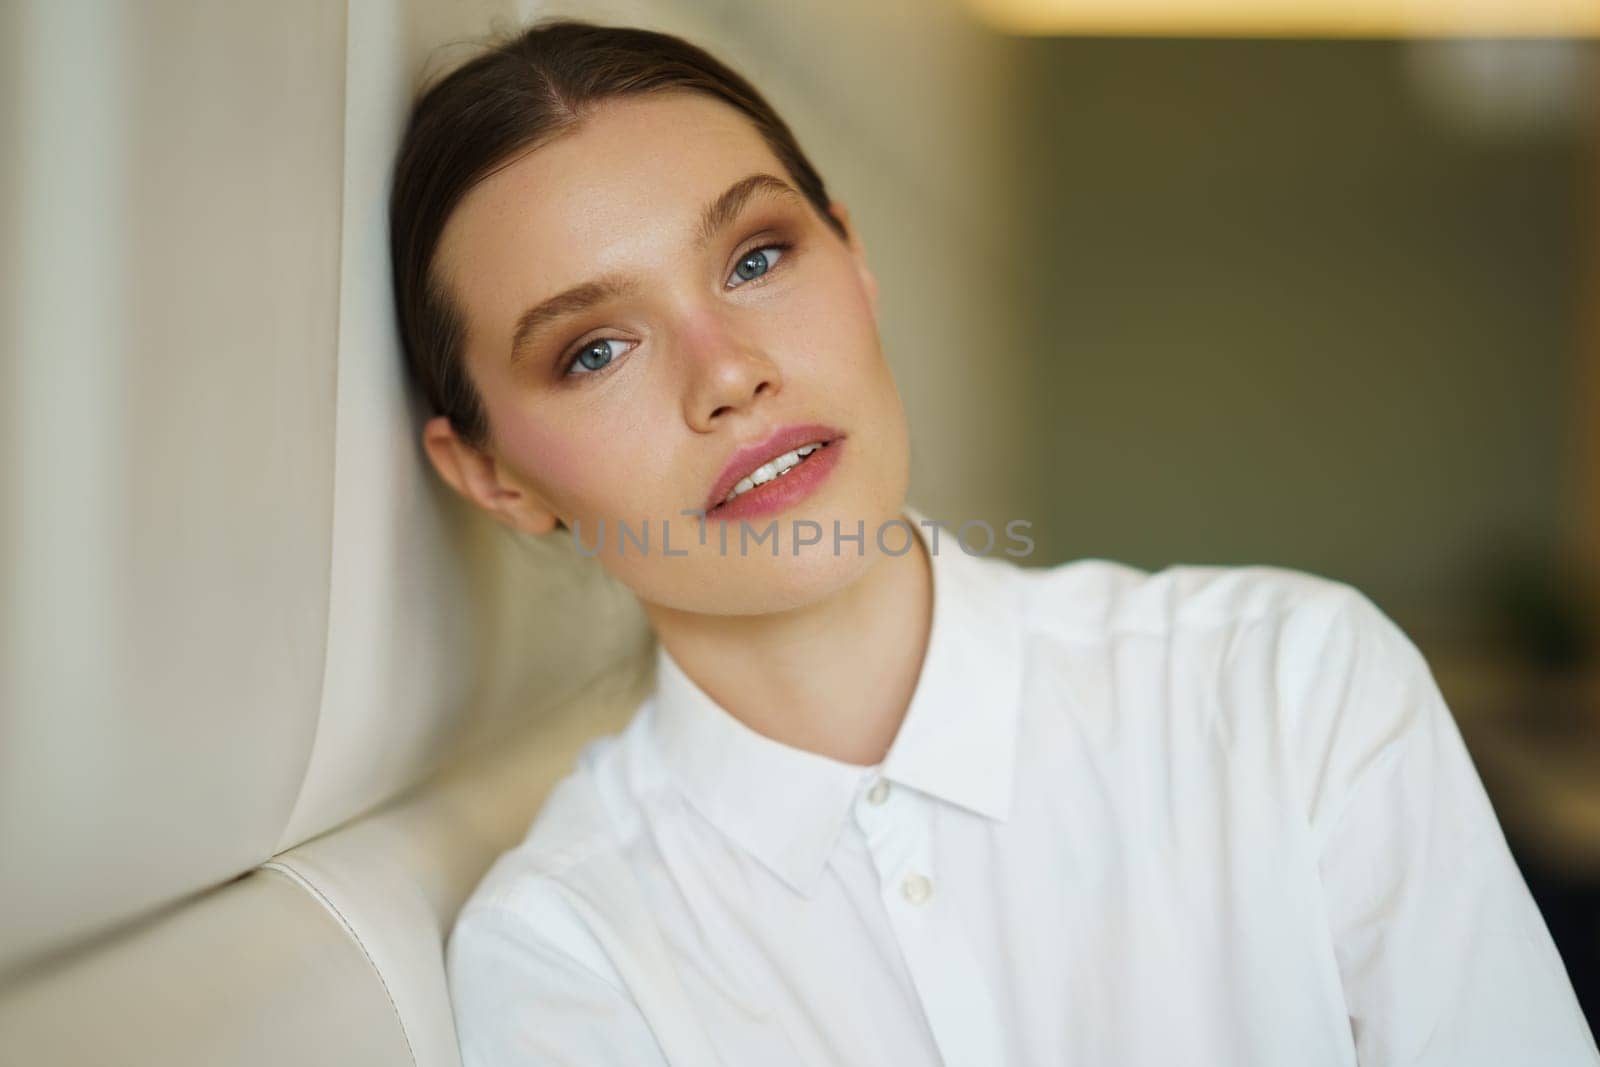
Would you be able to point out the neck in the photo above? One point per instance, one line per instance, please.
(834, 677)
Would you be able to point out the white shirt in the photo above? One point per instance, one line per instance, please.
(1212, 816)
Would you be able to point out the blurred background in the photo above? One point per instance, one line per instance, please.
(1314, 285)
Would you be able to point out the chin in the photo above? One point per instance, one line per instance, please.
(709, 582)
(789, 584)
(755, 585)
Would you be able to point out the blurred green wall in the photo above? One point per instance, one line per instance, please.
(1278, 312)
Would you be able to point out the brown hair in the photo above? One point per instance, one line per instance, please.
(522, 93)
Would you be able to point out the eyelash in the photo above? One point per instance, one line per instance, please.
(571, 358)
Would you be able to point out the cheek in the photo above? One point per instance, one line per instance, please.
(565, 466)
(836, 320)
(583, 461)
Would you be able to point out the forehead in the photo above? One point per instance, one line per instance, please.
(628, 180)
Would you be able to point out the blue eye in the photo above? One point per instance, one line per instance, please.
(592, 357)
(597, 355)
(757, 263)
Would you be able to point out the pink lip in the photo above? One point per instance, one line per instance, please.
(750, 457)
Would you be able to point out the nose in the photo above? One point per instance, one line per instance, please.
(727, 370)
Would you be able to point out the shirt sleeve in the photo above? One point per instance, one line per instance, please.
(1444, 957)
(520, 999)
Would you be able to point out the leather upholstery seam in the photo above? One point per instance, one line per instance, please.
(305, 883)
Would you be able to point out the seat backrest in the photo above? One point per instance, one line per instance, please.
(274, 698)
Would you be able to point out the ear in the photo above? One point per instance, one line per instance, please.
(484, 481)
(857, 251)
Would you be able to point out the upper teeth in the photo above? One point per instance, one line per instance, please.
(771, 469)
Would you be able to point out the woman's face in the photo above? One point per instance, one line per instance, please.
(707, 332)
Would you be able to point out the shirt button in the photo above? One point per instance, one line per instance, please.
(917, 888)
(879, 791)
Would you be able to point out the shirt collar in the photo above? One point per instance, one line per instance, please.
(786, 806)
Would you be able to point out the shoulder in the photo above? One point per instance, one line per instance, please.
(558, 890)
(526, 905)
(1097, 599)
(541, 963)
(1296, 666)
(556, 954)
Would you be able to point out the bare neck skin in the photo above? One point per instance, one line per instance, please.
(834, 678)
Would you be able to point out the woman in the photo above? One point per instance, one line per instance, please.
(892, 801)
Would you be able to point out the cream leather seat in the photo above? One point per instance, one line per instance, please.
(273, 699)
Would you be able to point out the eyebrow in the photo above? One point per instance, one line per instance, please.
(714, 217)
